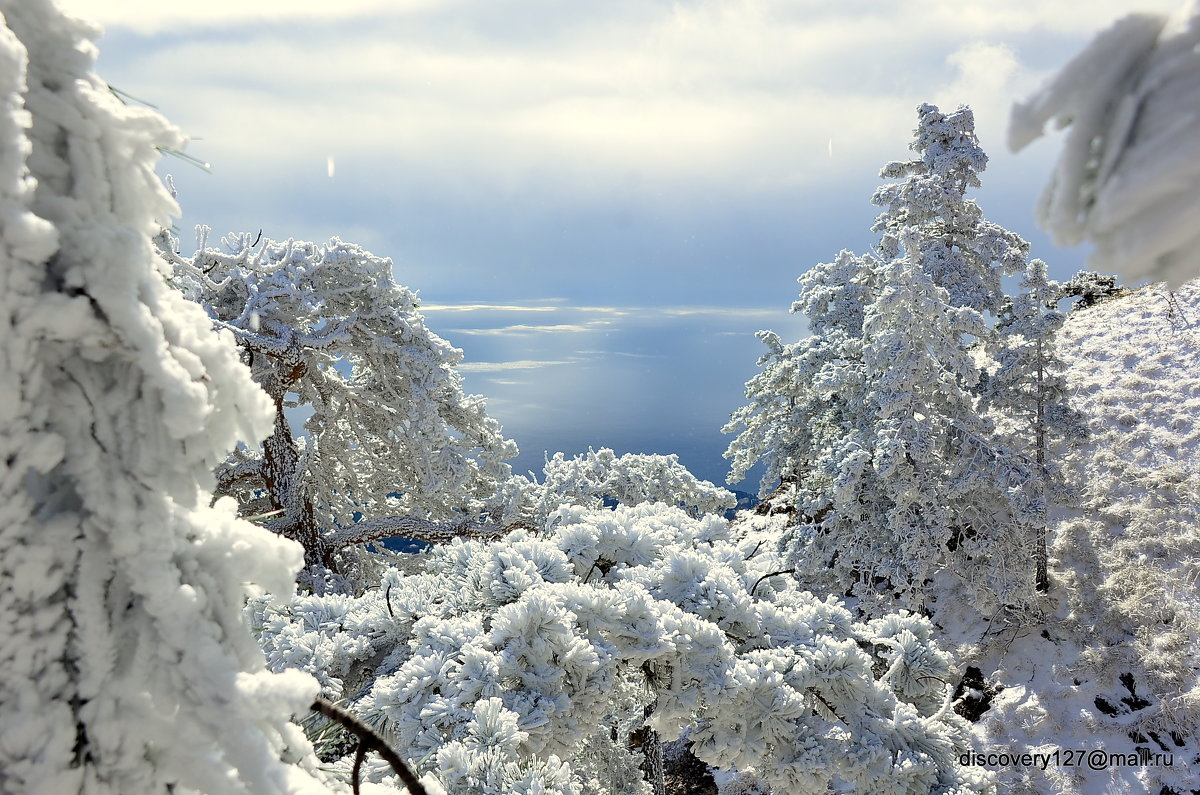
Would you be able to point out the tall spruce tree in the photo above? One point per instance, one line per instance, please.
(872, 424)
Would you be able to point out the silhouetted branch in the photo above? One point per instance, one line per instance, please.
(369, 740)
(765, 576)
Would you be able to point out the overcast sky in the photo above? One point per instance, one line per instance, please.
(600, 202)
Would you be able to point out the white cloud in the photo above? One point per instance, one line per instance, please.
(717, 311)
(486, 308)
(524, 364)
(988, 78)
(754, 93)
(153, 16)
(522, 328)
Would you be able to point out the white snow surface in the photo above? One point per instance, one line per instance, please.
(1128, 174)
(125, 666)
(1124, 568)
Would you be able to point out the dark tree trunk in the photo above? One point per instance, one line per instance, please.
(1042, 574)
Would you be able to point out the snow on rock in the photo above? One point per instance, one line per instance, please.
(1130, 166)
(1114, 666)
(125, 665)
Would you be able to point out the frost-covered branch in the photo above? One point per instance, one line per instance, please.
(504, 671)
(1130, 164)
(630, 479)
(125, 664)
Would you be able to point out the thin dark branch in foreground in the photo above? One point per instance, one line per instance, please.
(758, 582)
(754, 551)
(360, 753)
(826, 704)
(369, 740)
(587, 576)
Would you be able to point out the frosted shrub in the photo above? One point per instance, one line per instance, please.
(631, 479)
(524, 664)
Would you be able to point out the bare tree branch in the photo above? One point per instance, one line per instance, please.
(369, 739)
(765, 576)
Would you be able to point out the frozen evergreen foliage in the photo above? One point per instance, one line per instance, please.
(962, 252)
(125, 666)
(391, 438)
(872, 425)
(1090, 288)
(1027, 391)
(523, 665)
(1126, 179)
(631, 479)
(798, 402)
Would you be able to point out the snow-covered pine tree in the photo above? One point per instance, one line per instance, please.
(393, 446)
(125, 666)
(1027, 393)
(960, 250)
(804, 400)
(894, 474)
(922, 414)
(1091, 288)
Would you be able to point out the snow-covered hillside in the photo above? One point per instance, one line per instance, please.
(1114, 667)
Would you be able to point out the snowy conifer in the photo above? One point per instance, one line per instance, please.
(125, 666)
(1091, 288)
(392, 439)
(1027, 390)
(960, 250)
(802, 401)
(872, 423)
